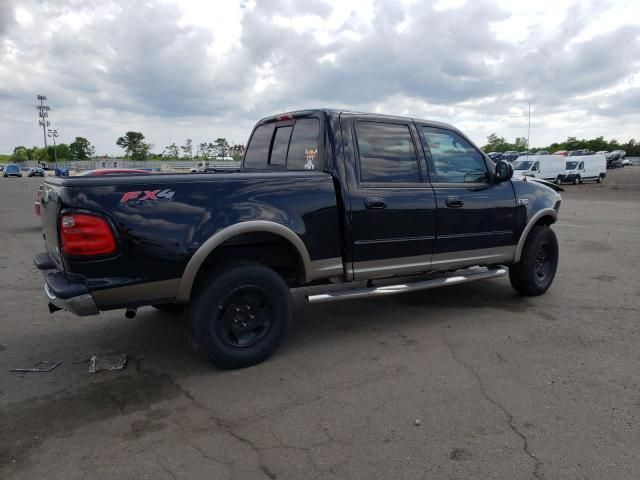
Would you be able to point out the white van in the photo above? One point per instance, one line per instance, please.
(547, 167)
(589, 167)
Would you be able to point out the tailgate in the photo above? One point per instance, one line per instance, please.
(50, 210)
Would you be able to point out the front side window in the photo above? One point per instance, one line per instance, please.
(387, 153)
(454, 160)
(536, 167)
(581, 166)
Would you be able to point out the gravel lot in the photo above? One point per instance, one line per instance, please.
(466, 382)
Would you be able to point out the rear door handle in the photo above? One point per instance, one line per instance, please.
(375, 203)
(454, 202)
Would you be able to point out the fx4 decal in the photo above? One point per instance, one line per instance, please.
(147, 197)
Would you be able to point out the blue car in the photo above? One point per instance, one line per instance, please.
(62, 172)
(12, 170)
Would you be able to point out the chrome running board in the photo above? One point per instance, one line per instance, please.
(463, 276)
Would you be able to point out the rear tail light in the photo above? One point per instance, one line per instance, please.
(82, 234)
(37, 201)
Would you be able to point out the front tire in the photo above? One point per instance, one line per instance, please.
(240, 315)
(577, 180)
(534, 273)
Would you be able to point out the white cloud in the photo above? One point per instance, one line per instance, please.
(176, 69)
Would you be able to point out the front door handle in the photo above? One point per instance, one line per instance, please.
(375, 203)
(454, 202)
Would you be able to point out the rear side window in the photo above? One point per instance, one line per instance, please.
(294, 146)
(258, 150)
(303, 149)
(280, 146)
(387, 153)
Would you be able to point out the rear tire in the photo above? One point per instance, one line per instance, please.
(534, 273)
(558, 180)
(240, 314)
(600, 179)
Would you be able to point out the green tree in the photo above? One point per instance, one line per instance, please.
(187, 148)
(172, 152)
(80, 149)
(221, 147)
(496, 144)
(203, 152)
(20, 154)
(61, 152)
(134, 146)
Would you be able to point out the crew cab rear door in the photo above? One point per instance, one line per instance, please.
(391, 208)
(475, 217)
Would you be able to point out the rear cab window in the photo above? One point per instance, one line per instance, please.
(290, 145)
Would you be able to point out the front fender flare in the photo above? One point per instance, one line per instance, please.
(545, 212)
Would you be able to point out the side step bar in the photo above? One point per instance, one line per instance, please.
(456, 278)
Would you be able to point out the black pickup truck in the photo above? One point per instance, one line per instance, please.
(324, 197)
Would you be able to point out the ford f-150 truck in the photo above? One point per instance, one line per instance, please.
(324, 197)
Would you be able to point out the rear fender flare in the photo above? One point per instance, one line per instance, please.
(251, 226)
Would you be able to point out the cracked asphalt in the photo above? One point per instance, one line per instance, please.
(471, 381)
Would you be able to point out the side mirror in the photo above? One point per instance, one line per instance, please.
(503, 172)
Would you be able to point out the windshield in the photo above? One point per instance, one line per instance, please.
(12, 168)
(522, 164)
(572, 165)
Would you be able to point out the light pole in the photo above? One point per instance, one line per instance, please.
(53, 133)
(43, 115)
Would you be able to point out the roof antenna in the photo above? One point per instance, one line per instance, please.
(529, 128)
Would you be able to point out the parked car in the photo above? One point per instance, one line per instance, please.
(12, 170)
(304, 210)
(562, 153)
(2, 168)
(542, 152)
(587, 167)
(548, 167)
(526, 153)
(495, 156)
(35, 172)
(606, 154)
(625, 162)
(61, 172)
(510, 155)
(579, 153)
(113, 171)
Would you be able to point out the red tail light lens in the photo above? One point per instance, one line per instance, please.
(86, 235)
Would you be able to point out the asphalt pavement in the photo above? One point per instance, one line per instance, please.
(465, 382)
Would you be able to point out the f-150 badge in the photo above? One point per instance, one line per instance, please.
(147, 197)
(310, 155)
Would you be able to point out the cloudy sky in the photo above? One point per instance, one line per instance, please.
(177, 69)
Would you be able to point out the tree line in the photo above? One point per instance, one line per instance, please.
(79, 149)
(135, 148)
(499, 144)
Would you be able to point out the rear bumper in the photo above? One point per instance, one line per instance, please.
(63, 293)
(81, 305)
